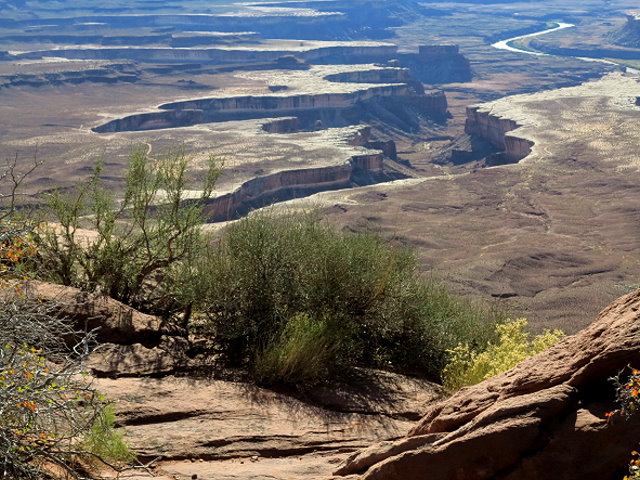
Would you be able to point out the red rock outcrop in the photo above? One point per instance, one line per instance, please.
(130, 342)
(542, 419)
(287, 184)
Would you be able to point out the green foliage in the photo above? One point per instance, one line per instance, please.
(299, 354)
(468, 365)
(358, 292)
(105, 441)
(138, 246)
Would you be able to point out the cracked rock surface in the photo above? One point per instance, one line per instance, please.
(227, 430)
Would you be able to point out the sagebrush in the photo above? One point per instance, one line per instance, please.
(363, 295)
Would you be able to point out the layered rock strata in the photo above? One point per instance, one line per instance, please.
(544, 417)
(258, 192)
(61, 74)
(432, 64)
(329, 54)
(494, 129)
(333, 109)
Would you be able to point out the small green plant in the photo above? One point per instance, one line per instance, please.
(468, 366)
(627, 388)
(105, 441)
(137, 247)
(300, 354)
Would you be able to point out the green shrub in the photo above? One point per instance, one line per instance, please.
(266, 269)
(105, 441)
(139, 245)
(468, 365)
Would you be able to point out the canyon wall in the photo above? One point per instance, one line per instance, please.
(116, 73)
(330, 109)
(432, 64)
(380, 75)
(495, 129)
(289, 102)
(437, 64)
(288, 184)
(629, 34)
(335, 54)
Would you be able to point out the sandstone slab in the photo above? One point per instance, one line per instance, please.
(225, 431)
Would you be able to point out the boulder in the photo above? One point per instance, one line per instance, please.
(112, 321)
(112, 360)
(545, 418)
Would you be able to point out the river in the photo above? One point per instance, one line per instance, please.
(504, 45)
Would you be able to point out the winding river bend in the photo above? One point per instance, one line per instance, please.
(506, 45)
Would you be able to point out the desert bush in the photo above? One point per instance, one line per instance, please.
(299, 354)
(105, 441)
(139, 244)
(469, 365)
(46, 401)
(362, 295)
(627, 387)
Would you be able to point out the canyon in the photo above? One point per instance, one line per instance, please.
(514, 177)
(283, 113)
